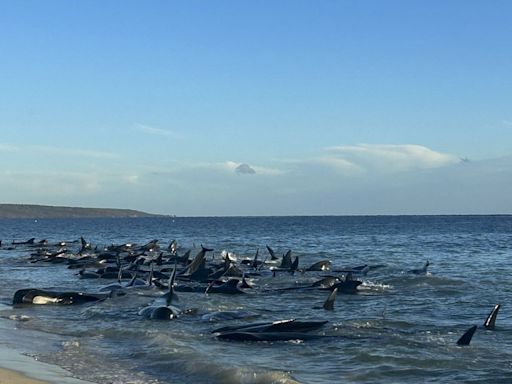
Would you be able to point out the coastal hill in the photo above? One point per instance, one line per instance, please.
(26, 211)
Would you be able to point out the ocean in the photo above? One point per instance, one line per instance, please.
(398, 327)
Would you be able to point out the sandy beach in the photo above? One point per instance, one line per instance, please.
(12, 377)
(16, 368)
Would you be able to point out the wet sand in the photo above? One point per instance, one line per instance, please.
(12, 377)
(16, 368)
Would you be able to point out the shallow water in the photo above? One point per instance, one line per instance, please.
(400, 327)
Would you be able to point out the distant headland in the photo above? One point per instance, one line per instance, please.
(29, 211)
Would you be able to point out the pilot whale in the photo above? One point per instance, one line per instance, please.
(40, 296)
(489, 324)
(281, 330)
(420, 271)
(167, 311)
(288, 325)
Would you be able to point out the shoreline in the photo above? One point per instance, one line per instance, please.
(17, 368)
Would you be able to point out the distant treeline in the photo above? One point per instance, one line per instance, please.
(26, 211)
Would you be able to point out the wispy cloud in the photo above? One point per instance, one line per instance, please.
(386, 157)
(8, 148)
(58, 151)
(66, 183)
(54, 183)
(77, 152)
(131, 179)
(155, 131)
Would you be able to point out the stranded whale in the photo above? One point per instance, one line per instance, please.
(40, 296)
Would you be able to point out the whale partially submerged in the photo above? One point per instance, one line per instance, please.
(281, 330)
(168, 311)
(420, 271)
(41, 297)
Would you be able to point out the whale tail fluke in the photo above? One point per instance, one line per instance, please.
(465, 339)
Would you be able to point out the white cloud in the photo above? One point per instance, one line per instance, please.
(340, 164)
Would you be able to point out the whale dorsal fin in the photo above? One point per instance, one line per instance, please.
(490, 322)
(255, 260)
(465, 339)
(173, 247)
(262, 264)
(272, 253)
(295, 265)
(244, 283)
(329, 303)
(286, 261)
(171, 295)
(119, 274)
(151, 273)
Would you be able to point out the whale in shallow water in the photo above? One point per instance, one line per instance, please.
(267, 336)
(162, 312)
(40, 296)
(167, 311)
(282, 330)
(230, 287)
(343, 286)
(420, 271)
(288, 325)
(322, 265)
(489, 324)
(29, 241)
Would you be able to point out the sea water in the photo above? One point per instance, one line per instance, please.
(399, 327)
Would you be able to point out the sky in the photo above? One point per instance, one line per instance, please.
(221, 108)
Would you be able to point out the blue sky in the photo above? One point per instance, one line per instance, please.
(258, 107)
